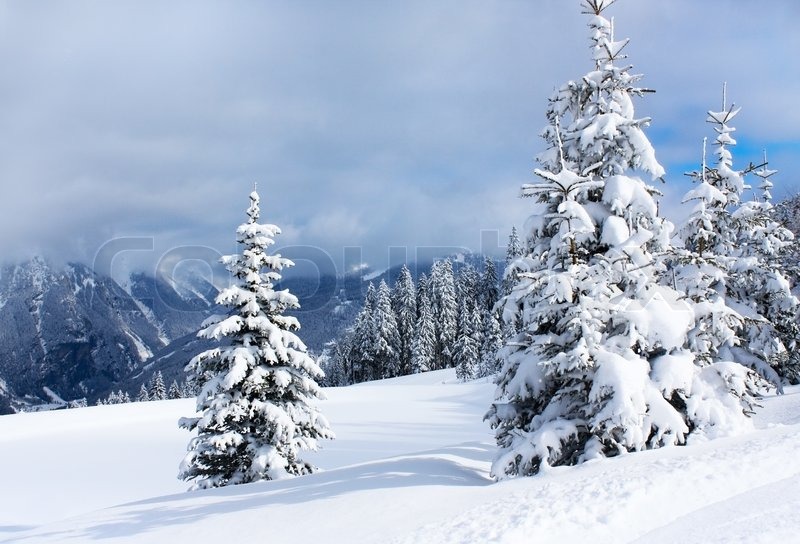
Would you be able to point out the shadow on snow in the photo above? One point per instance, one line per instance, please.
(462, 465)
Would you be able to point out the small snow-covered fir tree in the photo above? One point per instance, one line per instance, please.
(158, 391)
(175, 391)
(699, 232)
(466, 350)
(764, 173)
(513, 252)
(189, 388)
(404, 303)
(514, 247)
(256, 410)
(423, 347)
(143, 395)
(489, 289)
(77, 403)
(602, 363)
(115, 397)
(491, 342)
(332, 363)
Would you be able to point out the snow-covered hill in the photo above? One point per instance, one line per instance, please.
(410, 464)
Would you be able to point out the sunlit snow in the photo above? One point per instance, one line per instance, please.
(410, 464)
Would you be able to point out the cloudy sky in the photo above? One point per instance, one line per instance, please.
(366, 123)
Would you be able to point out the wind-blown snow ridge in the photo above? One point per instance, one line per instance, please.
(373, 275)
(410, 464)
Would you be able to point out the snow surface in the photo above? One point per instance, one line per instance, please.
(142, 350)
(410, 464)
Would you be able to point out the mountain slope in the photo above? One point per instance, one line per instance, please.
(67, 333)
(410, 464)
(174, 308)
(68, 330)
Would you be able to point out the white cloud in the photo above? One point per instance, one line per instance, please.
(365, 123)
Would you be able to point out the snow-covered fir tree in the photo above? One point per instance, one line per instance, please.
(514, 247)
(158, 391)
(491, 332)
(404, 304)
(143, 395)
(787, 214)
(445, 312)
(731, 252)
(190, 388)
(489, 289)
(602, 363)
(513, 252)
(699, 269)
(78, 403)
(175, 391)
(423, 290)
(466, 349)
(386, 342)
(115, 397)
(510, 278)
(491, 342)
(332, 362)
(423, 348)
(361, 344)
(759, 282)
(468, 284)
(766, 185)
(255, 406)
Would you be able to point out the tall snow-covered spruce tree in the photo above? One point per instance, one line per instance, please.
(730, 253)
(423, 345)
(444, 301)
(602, 363)
(386, 342)
(257, 389)
(771, 244)
(404, 303)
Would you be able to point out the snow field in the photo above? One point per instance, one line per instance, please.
(410, 464)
